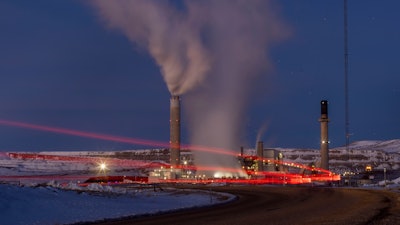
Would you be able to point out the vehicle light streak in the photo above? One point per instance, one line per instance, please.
(260, 177)
(263, 175)
(106, 137)
(267, 178)
(256, 177)
(94, 160)
(83, 134)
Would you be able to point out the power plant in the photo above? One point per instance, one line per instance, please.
(324, 135)
(261, 166)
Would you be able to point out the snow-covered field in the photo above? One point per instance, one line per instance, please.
(51, 205)
(37, 191)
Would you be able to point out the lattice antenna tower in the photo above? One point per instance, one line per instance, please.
(346, 78)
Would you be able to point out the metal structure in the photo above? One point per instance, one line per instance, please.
(175, 131)
(346, 78)
(324, 135)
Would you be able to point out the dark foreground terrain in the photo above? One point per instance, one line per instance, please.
(287, 205)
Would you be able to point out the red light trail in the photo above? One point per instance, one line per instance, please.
(262, 177)
(268, 176)
(111, 137)
(83, 134)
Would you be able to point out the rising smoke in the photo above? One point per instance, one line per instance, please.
(170, 36)
(211, 51)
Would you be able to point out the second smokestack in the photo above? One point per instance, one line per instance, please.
(260, 156)
(324, 120)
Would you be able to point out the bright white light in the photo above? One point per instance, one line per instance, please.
(102, 167)
(221, 174)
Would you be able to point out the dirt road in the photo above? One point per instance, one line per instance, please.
(288, 205)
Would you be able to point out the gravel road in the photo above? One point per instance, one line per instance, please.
(286, 205)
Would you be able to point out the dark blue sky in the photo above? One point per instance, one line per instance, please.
(60, 66)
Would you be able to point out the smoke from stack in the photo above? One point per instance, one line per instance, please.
(170, 36)
(214, 52)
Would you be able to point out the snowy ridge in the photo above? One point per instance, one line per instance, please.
(391, 146)
(379, 154)
(97, 153)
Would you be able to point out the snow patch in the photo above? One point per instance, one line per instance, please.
(49, 205)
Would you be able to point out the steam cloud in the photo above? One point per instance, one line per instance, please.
(171, 37)
(211, 51)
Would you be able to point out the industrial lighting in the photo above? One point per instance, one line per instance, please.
(102, 166)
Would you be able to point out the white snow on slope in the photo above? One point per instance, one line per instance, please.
(48, 205)
(388, 146)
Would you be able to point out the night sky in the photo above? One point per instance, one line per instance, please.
(61, 66)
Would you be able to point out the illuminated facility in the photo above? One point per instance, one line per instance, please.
(265, 165)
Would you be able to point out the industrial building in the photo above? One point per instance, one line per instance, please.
(265, 160)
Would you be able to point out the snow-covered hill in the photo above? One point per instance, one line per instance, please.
(378, 154)
(390, 146)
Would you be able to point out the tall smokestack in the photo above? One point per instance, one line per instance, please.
(324, 135)
(175, 131)
(260, 155)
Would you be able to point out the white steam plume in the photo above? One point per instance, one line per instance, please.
(221, 44)
(170, 36)
(261, 132)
